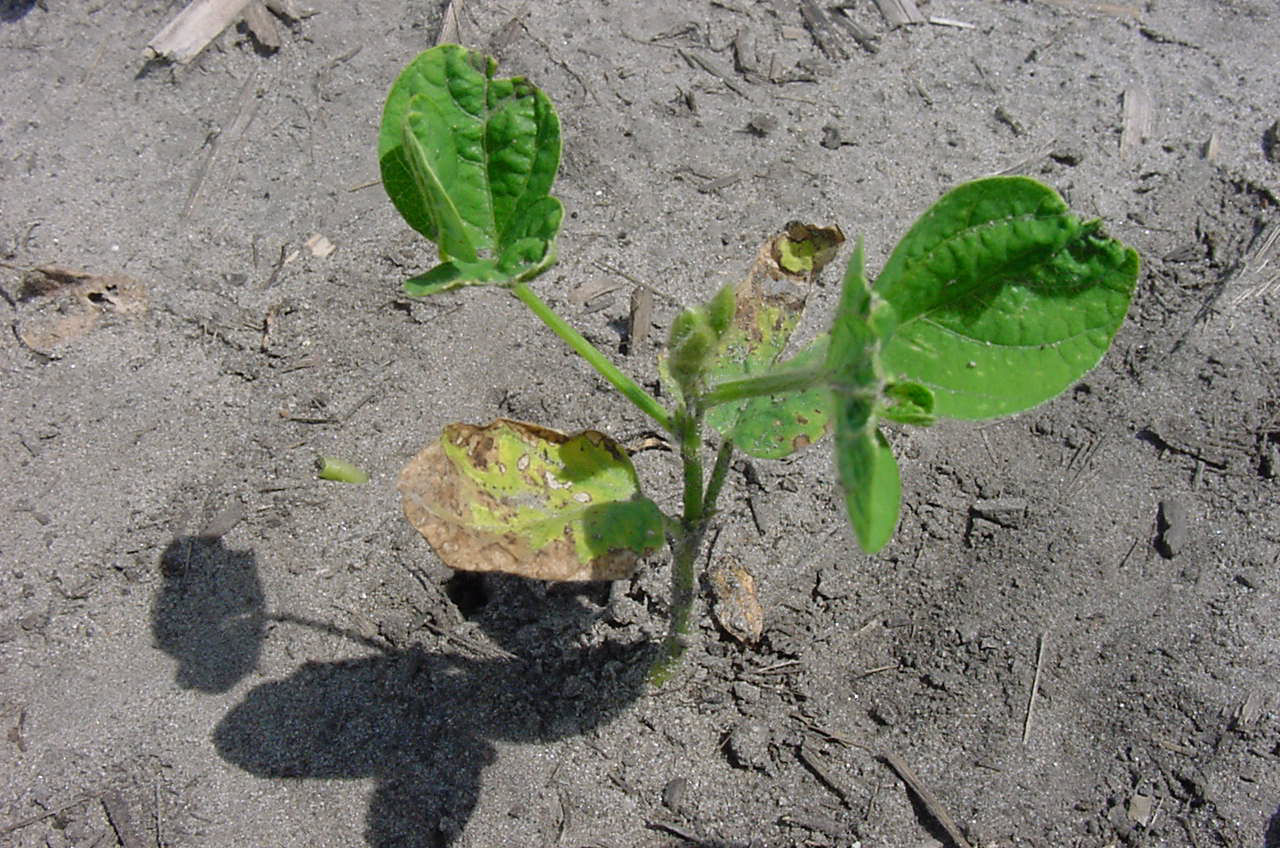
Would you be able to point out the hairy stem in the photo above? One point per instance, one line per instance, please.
(597, 360)
(688, 543)
(772, 383)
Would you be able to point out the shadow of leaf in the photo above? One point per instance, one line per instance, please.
(420, 724)
(209, 613)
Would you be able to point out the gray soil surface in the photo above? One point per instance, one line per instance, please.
(201, 644)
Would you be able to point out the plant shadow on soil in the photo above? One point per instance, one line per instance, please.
(420, 723)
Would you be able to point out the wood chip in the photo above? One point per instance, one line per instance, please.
(640, 319)
(262, 26)
(319, 246)
(194, 27)
(1139, 118)
(898, 13)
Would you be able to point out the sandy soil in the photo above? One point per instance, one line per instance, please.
(201, 644)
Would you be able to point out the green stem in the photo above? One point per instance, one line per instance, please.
(772, 383)
(597, 360)
(684, 546)
(718, 473)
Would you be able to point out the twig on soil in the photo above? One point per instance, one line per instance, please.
(1035, 688)
(238, 125)
(700, 62)
(450, 24)
(121, 821)
(823, 33)
(675, 830)
(898, 13)
(48, 814)
(1120, 11)
(926, 797)
(826, 778)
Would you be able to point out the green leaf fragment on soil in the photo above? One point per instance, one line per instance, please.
(527, 500)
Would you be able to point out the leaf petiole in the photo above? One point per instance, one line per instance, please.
(771, 383)
(597, 360)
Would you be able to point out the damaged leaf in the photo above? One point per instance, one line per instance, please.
(770, 302)
(531, 501)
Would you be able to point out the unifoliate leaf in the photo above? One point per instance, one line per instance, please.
(864, 461)
(1003, 298)
(767, 306)
(469, 160)
(527, 500)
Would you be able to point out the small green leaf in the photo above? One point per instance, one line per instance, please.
(868, 472)
(911, 403)
(469, 160)
(767, 307)
(527, 500)
(1003, 298)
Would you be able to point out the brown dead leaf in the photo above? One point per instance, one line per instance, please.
(736, 608)
(63, 304)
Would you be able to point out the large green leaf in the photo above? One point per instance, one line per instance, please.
(469, 160)
(768, 304)
(1003, 298)
(527, 500)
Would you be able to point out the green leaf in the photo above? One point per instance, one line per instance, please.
(767, 307)
(911, 403)
(527, 500)
(868, 472)
(469, 160)
(776, 426)
(1003, 298)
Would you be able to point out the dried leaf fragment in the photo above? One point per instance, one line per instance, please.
(523, 499)
(61, 304)
(736, 608)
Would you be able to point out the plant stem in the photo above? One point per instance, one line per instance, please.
(718, 472)
(597, 360)
(771, 383)
(685, 547)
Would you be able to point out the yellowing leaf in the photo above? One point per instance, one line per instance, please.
(527, 500)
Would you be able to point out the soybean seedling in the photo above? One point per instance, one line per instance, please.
(996, 299)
